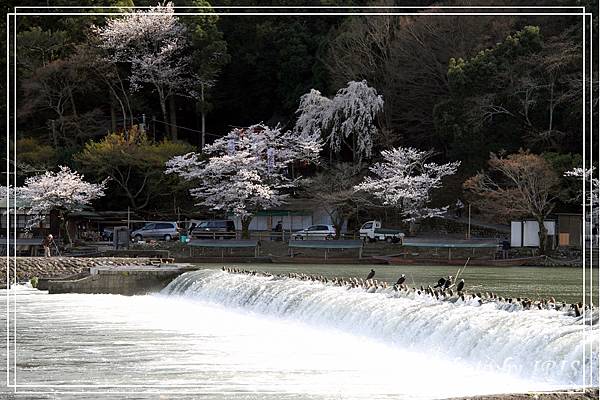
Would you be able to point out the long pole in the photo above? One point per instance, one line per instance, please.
(469, 228)
(128, 218)
(203, 111)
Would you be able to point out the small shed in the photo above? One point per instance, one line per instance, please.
(525, 233)
(21, 220)
(570, 229)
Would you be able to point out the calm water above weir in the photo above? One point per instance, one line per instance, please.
(238, 336)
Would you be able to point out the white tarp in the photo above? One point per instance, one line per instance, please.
(525, 233)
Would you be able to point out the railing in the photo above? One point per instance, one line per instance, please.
(279, 236)
(214, 235)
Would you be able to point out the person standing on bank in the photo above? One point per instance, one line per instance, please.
(505, 248)
(459, 208)
(47, 242)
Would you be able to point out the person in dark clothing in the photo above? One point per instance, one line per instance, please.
(505, 248)
(278, 228)
(459, 208)
(46, 243)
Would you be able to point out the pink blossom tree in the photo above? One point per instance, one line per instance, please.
(405, 180)
(64, 191)
(247, 170)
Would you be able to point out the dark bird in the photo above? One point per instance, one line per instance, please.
(461, 285)
(440, 283)
(448, 282)
(371, 274)
(401, 280)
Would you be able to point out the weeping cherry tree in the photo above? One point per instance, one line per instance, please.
(405, 180)
(247, 170)
(347, 119)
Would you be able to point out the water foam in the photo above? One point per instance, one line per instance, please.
(541, 345)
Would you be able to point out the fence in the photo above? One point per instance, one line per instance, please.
(279, 236)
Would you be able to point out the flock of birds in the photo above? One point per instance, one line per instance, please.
(444, 290)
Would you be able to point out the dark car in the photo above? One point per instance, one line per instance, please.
(107, 234)
(214, 229)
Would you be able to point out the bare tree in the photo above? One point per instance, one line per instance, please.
(519, 185)
(406, 60)
(333, 190)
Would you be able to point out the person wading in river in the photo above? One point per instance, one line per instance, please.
(47, 242)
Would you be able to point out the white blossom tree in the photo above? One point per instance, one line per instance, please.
(405, 180)
(155, 44)
(312, 112)
(592, 186)
(64, 191)
(245, 171)
(347, 119)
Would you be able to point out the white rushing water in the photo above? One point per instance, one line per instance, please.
(232, 335)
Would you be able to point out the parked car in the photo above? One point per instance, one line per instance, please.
(316, 232)
(373, 232)
(107, 234)
(214, 229)
(157, 230)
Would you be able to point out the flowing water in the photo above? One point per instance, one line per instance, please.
(220, 335)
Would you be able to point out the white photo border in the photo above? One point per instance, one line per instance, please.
(587, 21)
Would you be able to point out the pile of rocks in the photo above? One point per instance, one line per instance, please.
(54, 267)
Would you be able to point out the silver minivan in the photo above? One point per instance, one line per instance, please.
(157, 230)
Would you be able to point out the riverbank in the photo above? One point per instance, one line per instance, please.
(26, 268)
(587, 394)
(372, 253)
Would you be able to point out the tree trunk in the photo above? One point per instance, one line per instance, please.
(113, 117)
(163, 109)
(65, 227)
(173, 117)
(246, 227)
(54, 136)
(543, 235)
(337, 220)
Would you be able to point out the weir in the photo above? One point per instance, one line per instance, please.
(545, 344)
(124, 280)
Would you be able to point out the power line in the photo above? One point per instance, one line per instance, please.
(186, 128)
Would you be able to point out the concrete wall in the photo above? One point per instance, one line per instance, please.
(117, 282)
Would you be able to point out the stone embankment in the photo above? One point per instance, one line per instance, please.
(56, 267)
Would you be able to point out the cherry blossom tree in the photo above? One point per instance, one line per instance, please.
(154, 43)
(64, 191)
(592, 185)
(312, 112)
(347, 119)
(405, 180)
(247, 170)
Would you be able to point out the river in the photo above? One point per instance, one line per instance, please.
(223, 336)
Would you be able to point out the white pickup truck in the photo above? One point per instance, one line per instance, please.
(373, 232)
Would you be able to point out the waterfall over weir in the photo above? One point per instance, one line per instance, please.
(541, 345)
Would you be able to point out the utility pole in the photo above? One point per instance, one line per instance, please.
(154, 127)
(469, 228)
(203, 111)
